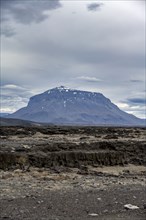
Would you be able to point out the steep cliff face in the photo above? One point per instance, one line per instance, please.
(65, 106)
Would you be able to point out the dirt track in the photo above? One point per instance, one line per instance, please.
(94, 173)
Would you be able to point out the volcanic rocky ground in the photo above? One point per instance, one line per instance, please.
(69, 173)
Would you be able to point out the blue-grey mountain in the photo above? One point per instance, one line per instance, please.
(74, 107)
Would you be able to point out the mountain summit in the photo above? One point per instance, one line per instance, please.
(62, 105)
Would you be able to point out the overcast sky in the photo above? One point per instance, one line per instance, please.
(89, 45)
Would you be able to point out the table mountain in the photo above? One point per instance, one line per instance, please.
(61, 105)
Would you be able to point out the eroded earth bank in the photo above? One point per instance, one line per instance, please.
(69, 173)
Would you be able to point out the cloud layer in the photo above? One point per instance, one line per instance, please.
(27, 12)
(46, 44)
(24, 12)
(94, 6)
(13, 97)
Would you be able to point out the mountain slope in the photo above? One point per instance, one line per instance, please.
(64, 106)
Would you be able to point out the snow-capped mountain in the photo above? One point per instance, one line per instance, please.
(61, 105)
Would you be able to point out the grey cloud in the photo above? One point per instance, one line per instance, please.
(89, 79)
(7, 31)
(86, 55)
(94, 6)
(136, 81)
(139, 101)
(13, 97)
(14, 90)
(12, 103)
(26, 12)
(13, 87)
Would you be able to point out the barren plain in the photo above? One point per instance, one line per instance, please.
(72, 173)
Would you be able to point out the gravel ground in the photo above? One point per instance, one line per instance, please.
(68, 195)
(72, 173)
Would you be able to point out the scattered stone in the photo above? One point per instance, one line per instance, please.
(93, 214)
(5, 217)
(105, 211)
(26, 146)
(10, 200)
(3, 137)
(135, 177)
(132, 207)
(126, 171)
(18, 171)
(7, 176)
(39, 202)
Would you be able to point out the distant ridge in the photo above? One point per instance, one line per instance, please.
(17, 122)
(63, 106)
(3, 114)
